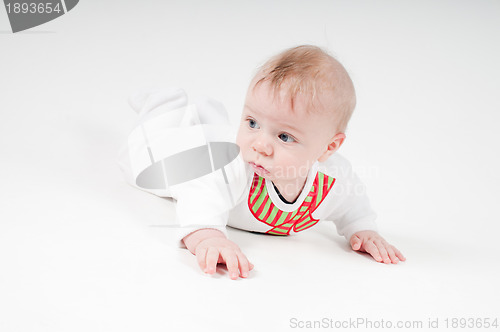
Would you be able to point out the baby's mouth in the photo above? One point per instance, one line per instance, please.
(259, 169)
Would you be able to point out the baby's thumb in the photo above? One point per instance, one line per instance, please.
(355, 243)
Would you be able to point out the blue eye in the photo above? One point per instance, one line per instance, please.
(253, 124)
(286, 138)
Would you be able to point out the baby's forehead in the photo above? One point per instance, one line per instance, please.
(318, 98)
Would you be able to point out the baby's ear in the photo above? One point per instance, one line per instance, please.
(334, 145)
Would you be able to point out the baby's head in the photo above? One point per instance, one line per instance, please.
(310, 73)
(296, 111)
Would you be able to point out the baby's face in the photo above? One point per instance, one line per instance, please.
(279, 143)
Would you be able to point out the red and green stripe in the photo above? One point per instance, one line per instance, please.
(264, 210)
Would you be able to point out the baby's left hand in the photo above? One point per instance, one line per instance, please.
(372, 243)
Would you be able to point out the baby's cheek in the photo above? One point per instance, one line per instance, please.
(240, 137)
(243, 150)
(240, 143)
(302, 166)
(238, 140)
(288, 168)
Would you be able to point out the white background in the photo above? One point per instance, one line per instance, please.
(78, 251)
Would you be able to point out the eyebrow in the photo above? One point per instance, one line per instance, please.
(282, 124)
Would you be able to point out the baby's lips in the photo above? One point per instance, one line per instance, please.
(259, 167)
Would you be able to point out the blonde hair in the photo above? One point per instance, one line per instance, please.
(311, 71)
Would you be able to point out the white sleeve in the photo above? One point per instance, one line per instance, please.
(205, 202)
(351, 211)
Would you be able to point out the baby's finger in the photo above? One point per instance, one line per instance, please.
(244, 264)
(383, 252)
(392, 254)
(356, 243)
(372, 249)
(211, 260)
(399, 254)
(201, 255)
(231, 260)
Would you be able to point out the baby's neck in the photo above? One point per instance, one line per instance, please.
(290, 190)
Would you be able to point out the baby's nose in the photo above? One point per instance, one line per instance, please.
(263, 147)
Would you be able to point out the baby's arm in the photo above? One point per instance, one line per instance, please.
(352, 213)
(211, 246)
(374, 244)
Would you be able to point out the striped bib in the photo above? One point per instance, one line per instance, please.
(264, 210)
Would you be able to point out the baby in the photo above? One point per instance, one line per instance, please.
(296, 112)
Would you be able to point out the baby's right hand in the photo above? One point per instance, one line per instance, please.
(212, 247)
(215, 250)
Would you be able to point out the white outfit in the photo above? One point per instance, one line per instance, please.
(332, 192)
(186, 152)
